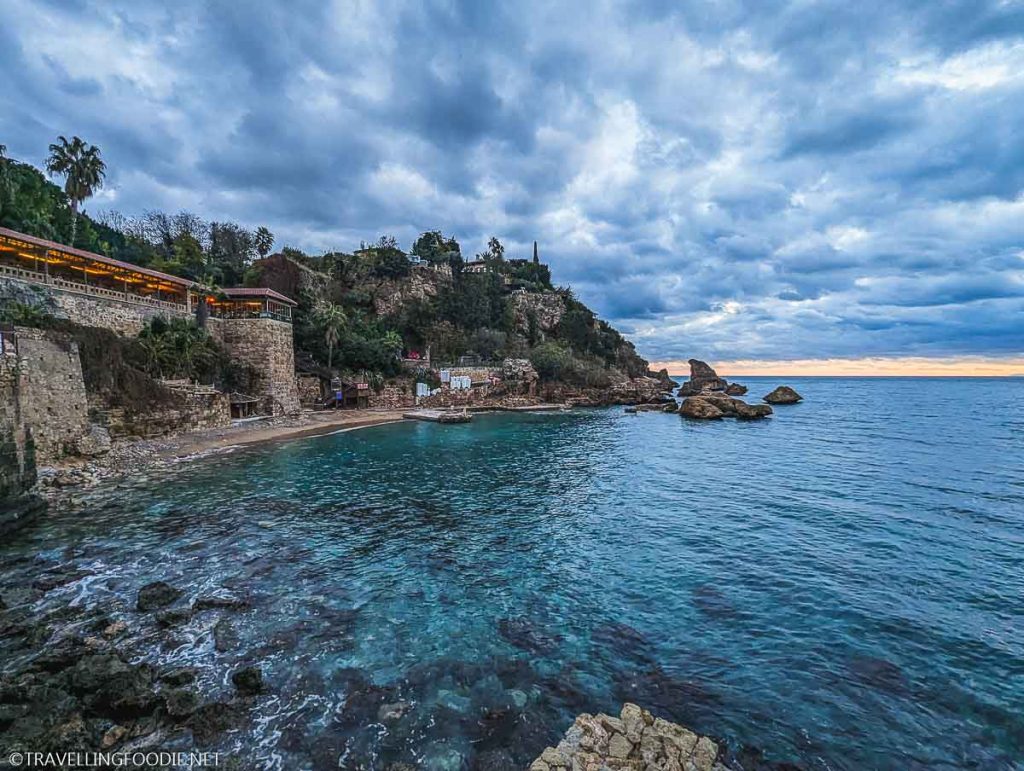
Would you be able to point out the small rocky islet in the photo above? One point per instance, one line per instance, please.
(706, 396)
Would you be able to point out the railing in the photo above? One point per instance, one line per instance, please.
(95, 291)
(242, 314)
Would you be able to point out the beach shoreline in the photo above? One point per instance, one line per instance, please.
(132, 457)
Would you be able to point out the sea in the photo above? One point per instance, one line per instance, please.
(840, 586)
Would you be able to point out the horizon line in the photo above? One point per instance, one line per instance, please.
(899, 366)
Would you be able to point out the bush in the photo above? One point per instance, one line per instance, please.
(551, 361)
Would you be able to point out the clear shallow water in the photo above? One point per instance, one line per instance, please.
(841, 585)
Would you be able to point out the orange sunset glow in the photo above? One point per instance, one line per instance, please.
(868, 367)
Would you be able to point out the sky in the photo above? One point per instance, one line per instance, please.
(761, 182)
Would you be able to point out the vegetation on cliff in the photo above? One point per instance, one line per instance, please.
(359, 311)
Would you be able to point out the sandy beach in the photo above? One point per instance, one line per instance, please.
(127, 458)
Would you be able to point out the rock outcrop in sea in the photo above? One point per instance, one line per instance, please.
(704, 380)
(783, 395)
(636, 740)
(714, 406)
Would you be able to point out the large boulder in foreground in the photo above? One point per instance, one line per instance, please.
(714, 406)
(634, 740)
(783, 395)
(699, 408)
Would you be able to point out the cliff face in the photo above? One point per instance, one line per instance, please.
(494, 314)
(545, 309)
(422, 284)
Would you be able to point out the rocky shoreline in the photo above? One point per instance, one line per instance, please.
(73, 682)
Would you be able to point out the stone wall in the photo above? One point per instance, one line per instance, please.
(18, 504)
(192, 412)
(310, 389)
(267, 347)
(53, 398)
(394, 396)
(125, 317)
(634, 741)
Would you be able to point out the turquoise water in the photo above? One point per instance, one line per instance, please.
(841, 585)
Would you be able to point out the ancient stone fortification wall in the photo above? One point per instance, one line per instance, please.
(121, 316)
(265, 345)
(17, 453)
(53, 398)
(634, 741)
(193, 412)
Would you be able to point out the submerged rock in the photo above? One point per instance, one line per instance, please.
(248, 680)
(783, 395)
(224, 636)
(521, 633)
(158, 594)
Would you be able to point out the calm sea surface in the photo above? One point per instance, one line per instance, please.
(841, 585)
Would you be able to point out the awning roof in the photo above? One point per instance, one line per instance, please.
(52, 245)
(246, 291)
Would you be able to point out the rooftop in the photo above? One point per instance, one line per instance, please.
(7, 236)
(244, 291)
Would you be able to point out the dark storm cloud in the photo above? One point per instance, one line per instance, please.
(748, 179)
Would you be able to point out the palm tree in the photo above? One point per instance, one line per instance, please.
(264, 241)
(206, 289)
(332, 321)
(82, 168)
(392, 343)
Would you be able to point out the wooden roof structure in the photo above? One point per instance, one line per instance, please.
(11, 240)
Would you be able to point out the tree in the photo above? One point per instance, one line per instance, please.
(551, 360)
(332, 320)
(433, 247)
(392, 342)
(206, 288)
(83, 172)
(495, 250)
(264, 241)
(536, 256)
(231, 250)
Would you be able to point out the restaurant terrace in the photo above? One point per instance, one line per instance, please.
(40, 261)
(251, 303)
(36, 260)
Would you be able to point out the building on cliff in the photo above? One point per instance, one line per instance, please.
(253, 326)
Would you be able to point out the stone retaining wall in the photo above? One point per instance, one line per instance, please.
(394, 396)
(125, 317)
(266, 346)
(193, 412)
(634, 741)
(53, 399)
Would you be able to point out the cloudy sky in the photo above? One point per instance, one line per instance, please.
(733, 181)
